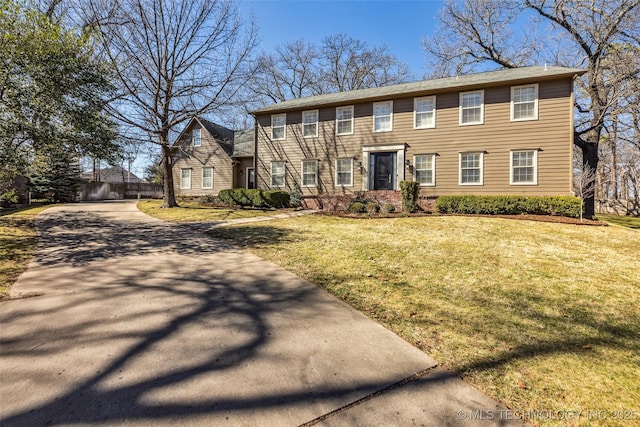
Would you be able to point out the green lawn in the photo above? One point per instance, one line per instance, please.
(194, 212)
(17, 244)
(623, 220)
(540, 316)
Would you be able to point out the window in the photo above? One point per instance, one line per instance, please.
(310, 123)
(185, 179)
(196, 135)
(471, 168)
(344, 120)
(309, 173)
(424, 110)
(382, 116)
(207, 178)
(279, 126)
(277, 174)
(472, 108)
(524, 165)
(344, 172)
(424, 169)
(524, 102)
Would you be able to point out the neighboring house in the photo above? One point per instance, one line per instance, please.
(113, 174)
(500, 132)
(210, 158)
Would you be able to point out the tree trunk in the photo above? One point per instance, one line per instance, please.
(613, 160)
(169, 197)
(590, 159)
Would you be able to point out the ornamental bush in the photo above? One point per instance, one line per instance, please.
(409, 191)
(510, 205)
(255, 198)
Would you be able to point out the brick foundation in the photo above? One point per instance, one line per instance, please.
(341, 202)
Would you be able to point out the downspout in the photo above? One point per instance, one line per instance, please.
(255, 150)
(571, 134)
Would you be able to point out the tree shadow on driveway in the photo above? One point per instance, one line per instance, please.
(148, 323)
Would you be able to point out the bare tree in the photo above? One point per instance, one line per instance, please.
(584, 182)
(350, 64)
(172, 60)
(576, 33)
(340, 63)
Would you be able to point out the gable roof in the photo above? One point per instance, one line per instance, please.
(113, 174)
(469, 81)
(234, 143)
(222, 135)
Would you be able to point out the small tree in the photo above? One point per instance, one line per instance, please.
(56, 174)
(584, 184)
(296, 196)
(410, 191)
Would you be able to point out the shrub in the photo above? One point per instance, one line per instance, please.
(409, 191)
(295, 200)
(255, 197)
(208, 198)
(357, 207)
(372, 207)
(510, 205)
(388, 208)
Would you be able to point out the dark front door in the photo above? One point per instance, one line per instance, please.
(383, 166)
(251, 178)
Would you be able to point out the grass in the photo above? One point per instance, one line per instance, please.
(622, 220)
(540, 316)
(194, 212)
(17, 244)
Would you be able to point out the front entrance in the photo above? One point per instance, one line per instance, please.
(382, 171)
(251, 178)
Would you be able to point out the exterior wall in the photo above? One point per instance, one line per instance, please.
(208, 154)
(551, 134)
(240, 171)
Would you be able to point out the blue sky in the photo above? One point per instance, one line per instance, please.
(400, 25)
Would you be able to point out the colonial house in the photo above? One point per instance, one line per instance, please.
(209, 158)
(493, 133)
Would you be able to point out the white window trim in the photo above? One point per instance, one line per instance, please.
(211, 187)
(315, 181)
(481, 122)
(390, 116)
(273, 127)
(350, 107)
(284, 173)
(535, 166)
(415, 112)
(182, 179)
(317, 113)
(535, 106)
(350, 184)
(433, 169)
(198, 139)
(481, 168)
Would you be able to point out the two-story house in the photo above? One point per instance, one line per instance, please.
(492, 133)
(209, 158)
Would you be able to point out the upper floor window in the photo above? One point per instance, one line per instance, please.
(185, 179)
(207, 178)
(524, 167)
(344, 120)
(309, 173)
(424, 170)
(277, 174)
(382, 116)
(196, 137)
(279, 126)
(424, 110)
(524, 102)
(472, 108)
(471, 165)
(344, 172)
(310, 123)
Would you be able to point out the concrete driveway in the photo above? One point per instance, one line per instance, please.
(122, 319)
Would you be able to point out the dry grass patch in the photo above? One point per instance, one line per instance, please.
(540, 316)
(194, 212)
(622, 220)
(17, 244)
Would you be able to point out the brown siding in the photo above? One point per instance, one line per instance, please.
(551, 134)
(209, 154)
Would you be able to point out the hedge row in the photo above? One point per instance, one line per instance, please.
(255, 197)
(510, 205)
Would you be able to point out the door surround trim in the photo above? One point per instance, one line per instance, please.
(400, 168)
